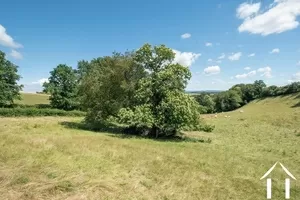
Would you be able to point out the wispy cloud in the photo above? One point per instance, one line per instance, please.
(41, 81)
(16, 55)
(235, 56)
(295, 78)
(251, 55)
(186, 36)
(246, 75)
(208, 44)
(222, 56)
(246, 10)
(212, 70)
(275, 51)
(265, 71)
(185, 58)
(6, 40)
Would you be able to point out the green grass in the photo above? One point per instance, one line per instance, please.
(33, 99)
(40, 158)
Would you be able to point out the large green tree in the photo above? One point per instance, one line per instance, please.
(63, 88)
(108, 84)
(9, 87)
(162, 108)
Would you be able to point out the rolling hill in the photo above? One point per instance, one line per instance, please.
(51, 158)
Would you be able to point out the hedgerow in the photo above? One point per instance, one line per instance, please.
(35, 112)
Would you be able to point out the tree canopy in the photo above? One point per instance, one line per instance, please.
(63, 88)
(9, 87)
(108, 85)
(161, 108)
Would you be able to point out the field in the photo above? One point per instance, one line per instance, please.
(49, 158)
(33, 99)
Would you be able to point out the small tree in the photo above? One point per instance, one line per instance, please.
(9, 88)
(162, 108)
(63, 88)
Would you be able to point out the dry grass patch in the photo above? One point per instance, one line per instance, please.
(42, 159)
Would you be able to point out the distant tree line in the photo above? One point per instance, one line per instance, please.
(241, 94)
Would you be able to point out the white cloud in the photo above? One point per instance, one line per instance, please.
(222, 56)
(41, 81)
(185, 58)
(246, 75)
(15, 54)
(186, 35)
(246, 10)
(265, 71)
(247, 68)
(235, 56)
(6, 40)
(251, 55)
(295, 78)
(275, 51)
(209, 60)
(281, 16)
(298, 63)
(208, 44)
(212, 70)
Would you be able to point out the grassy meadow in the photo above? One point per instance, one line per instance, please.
(49, 158)
(33, 99)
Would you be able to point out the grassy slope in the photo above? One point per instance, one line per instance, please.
(41, 159)
(33, 99)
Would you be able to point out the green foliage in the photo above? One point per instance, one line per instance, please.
(83, 67)
(9, 88)
(34, 112)
(207, 128)
(109, 85)
(63, 88)
(178, 111)
(140, 117)
(227, 101)
(273, 90)
(161, 107)
(206, 102)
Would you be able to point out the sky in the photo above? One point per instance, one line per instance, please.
(222, 42)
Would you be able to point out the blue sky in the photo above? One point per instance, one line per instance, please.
(223, 42)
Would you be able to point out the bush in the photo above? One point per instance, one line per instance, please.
(34, 112)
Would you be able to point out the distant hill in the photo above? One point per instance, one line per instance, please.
(204, 91)
(33, 99)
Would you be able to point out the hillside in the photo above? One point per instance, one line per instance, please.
(33, 99)
(48, 158)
